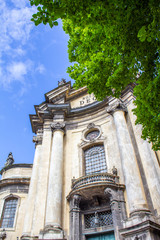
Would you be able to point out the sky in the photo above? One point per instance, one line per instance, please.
(32, 61)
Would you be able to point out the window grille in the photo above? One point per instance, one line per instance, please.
(8, 214)
(98, 219)
(95, 161)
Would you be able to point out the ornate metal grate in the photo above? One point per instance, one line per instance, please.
(95, 160)
(98, 219)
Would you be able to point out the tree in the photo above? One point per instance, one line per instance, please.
(113, 43)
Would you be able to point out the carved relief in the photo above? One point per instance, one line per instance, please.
(38, 138)
(112, 194)
(76, 200)
(57, 126)
(119, 105)
(91, 125)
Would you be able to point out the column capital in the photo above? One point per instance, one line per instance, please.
(117, 106)
(38, 138)
(58, 126)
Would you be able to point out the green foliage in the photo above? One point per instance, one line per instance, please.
(111, 43)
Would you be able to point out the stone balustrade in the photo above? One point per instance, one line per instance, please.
(97, 178)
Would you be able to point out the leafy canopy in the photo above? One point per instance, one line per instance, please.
(113, 43)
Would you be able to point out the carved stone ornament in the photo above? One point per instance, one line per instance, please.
(58, 125)
(91, 125)
(38, 138)
(112, 194)
(3, 234)
(10, 160)
(63, 81)
(119, 105)
(76, 200)
(114, 170)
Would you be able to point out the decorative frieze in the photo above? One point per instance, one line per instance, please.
(58, 126)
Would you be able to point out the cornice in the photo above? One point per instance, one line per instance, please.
(23, 165)
(46, 110)
(13, 181)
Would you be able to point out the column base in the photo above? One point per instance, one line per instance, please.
(140, 213)
(51, 232)
(27, 236)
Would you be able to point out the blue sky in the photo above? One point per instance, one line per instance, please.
(32, 60)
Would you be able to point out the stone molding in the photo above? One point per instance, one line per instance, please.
(13, 181)
(58, 126)
(119, 105)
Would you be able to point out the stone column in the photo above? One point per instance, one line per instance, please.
(148, 160)
(54, 197)
(42, 181)
(135, 194)
(33, 185)
(75, 218)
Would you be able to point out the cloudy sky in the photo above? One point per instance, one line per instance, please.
(32, 60)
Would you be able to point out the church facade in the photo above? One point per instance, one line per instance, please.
(92, 178)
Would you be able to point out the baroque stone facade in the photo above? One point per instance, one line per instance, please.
(93, 177)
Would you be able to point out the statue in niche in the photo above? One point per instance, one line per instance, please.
(10, 160)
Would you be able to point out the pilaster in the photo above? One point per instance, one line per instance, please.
(33, 185)
(75, 217)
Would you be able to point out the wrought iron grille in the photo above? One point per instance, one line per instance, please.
(95, 160)
(98, 219)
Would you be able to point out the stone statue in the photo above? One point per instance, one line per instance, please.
(63, 81)
(10, 160)
(3, 234)
(114, 170)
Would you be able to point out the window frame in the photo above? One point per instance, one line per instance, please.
(11, 196)
(84, 159)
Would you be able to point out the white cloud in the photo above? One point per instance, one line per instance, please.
(41, 69)
(15, 72)
(15, 34)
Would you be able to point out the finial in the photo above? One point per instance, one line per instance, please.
(10, 160)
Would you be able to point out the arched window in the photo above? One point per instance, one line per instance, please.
(9, 211)
(95, 161)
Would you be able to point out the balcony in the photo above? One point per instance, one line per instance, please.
(94, 179)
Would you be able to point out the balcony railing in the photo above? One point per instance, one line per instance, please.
(98, 178)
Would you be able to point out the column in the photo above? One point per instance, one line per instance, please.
(54, 197)
(148, 160)
(33, 185)
(114, 158)
(42, 181)
(136, 199)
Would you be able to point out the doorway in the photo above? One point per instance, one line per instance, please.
(106, 236)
